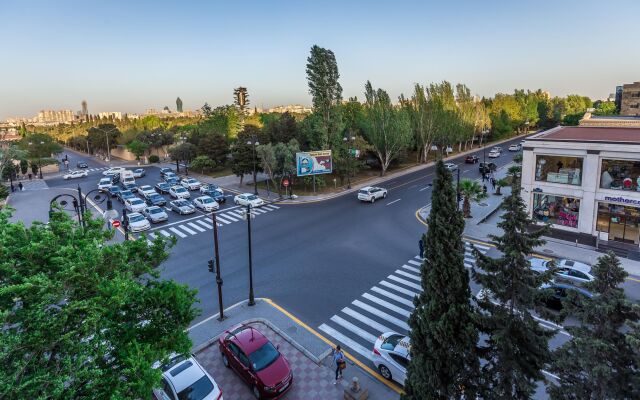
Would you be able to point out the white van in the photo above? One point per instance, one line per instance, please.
(126, 176)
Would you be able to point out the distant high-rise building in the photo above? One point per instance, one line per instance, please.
(85, 110)
(179, 105)
(51, 117)
(630, 102)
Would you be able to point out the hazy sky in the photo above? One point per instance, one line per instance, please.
(132, 55)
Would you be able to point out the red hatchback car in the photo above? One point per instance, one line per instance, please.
(257, 361)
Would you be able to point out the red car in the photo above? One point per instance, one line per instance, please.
(471, 159)
(257, 361)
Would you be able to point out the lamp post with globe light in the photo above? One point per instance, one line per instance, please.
(254, 142)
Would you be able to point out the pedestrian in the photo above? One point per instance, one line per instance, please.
(13, 188)
(339, 360)
(30, 175)
(483, 176)
(421, 247)
(20, 186)
(484, 189)
(493, 183)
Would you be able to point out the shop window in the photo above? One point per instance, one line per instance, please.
(556, 210)
(620, 175)
(559, 169)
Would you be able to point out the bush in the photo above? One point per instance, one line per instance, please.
(154, 158)
(4, 192)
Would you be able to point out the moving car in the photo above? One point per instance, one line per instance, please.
(515, 147)
(155, 214)
(104, 184)
(172, 180)
(185, 379)
(169, 174)
(257, 361)
(178, 192)
(450, 166)
(371, 193)
(182, 207)
(155, 199)
(471, 159)
(559, 295)
(137, 222)
(124, 195)
(493, 154)
(391, 356)
(208, 187)
(146, 189)
(82, 164)
(487, 167)
(114, 190)
(162, 187)
(164, 171)
(129, 186)
(206, 203)
(134, 204)
(249, 199)
(139, 173)
(569, 271)
(75, 174)
(497, 148)
(113, 171)
(190, 183)
(126, 176)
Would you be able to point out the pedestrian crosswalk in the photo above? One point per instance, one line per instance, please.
(383, 308)
(96, 169)
(194, 226)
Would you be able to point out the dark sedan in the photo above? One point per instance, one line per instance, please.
(82, 164)
(129, 186)
(114, 191)
(471, 159)
(162, 187)
(125, 194)
(561, 293)
(155, 200)
(172, 181)
(215, 194)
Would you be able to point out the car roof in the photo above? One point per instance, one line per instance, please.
(249, 338)
(133, 214)
(184, 374)
(577, 265)
(366, 188)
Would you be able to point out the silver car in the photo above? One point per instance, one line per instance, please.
(182, 207)
(155, 214)
(178, 192)
(569, 271)
(206, 204)
(137, 222)
(391, 356)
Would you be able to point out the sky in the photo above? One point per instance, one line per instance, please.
(132, 55)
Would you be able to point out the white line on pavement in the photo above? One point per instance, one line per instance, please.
(408, 275)
(416, 270)
(353, 328)
(194, 226)
(405, 282)
(366, 353)
(177, 232)
(398, 288)
(380, 314)
(368, 321)
(424, 188)
(393, 296)
(395, 201)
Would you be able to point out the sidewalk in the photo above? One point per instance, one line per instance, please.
(307, 352)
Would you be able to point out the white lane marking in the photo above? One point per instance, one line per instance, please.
(408, 275)
(395, 201)
(415, 263)
(274, 206)
(386, 304)
(237, 214)
(380, 314)
(165, 233)
(418, 258)
(424, 188)
(257, 210)
(355, 329)
(205, 222)
(177, 232)
(405, 282)
(219, 218)
(189, 231)
(227, 216)
(191, 224)
(416, 270)
(392, 296)
(269, 207)
(366, 353)
(365, 320)
(151, 236)
(398, 288)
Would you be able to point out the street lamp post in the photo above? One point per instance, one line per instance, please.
(217, 266)
(458, 190)
(348, 140)
(253, 142)
(249, 215)
(80, 204)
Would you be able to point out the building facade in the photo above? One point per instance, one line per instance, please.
(609, 121)
(630, 101)
(585, 181)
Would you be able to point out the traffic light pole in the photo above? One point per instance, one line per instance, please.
(252, 301)
(217, 266)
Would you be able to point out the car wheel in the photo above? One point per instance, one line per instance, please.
(237, 202)
(225, 361)
(256, 393)
(384, 371)
(384, 195)
(373, 199)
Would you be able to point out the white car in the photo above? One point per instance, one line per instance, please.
(191, 183)
(207, 187)
(391, 356)
(569, 271)
(137, 222)
(249, 199)
(155, 214)
(134, 204)
(178, 192)
(371, 193)
(497, 148)
(146, 190)
(450, 166)
(494, 154)
(515, 147)
(113, 171)
(139, 173)
(182, 207)
(105, 184)
(185, 378)
(75, 174)
(206, 203)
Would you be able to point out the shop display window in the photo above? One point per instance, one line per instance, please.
(556, 210)
(620, 175)
(559, 169)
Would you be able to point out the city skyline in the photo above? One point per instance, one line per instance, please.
(152, 53)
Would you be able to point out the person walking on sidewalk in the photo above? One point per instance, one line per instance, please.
(421, 247)
(493, 183)
(20, 186)
(339, 360)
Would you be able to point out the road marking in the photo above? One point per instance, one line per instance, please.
(227, 216)
(424, 188)
(380, 314)
(633, 279)
(219, 218)
(556, 377)
(191, 224)
(259, 211)
(271, 207)
(365, 320)
(416, 270)
(393, 296)
(190, 231)
(405, 282)
(205, 222)
(395, 201)
(358, 331)
(408, 275)
(386, 304)
(177, 232)
(419, 264)
(237, 214)
(398, 288)
(165, 233)
(366, 353)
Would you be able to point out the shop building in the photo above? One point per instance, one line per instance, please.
(585, 182)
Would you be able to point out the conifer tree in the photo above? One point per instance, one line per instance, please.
(516, 346)
(599, 362)
(444, 362)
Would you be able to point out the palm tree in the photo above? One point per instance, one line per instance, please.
(500, 183)
(470, 191)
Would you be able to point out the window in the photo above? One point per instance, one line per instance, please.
(559, 169)
(620, 175)
(577, 274)
(556, 210)
(166, 388)
(404, 363)
(391, 342)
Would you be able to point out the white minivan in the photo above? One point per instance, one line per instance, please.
(126, 177)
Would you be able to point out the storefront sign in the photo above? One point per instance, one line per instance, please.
(623, 200)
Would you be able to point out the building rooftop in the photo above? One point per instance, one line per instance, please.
(590, 134)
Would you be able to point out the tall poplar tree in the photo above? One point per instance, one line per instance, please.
(444, 361)
(322, 76)
(516, 347)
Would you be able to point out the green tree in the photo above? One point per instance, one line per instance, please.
(444, 360)
(183, 152)
(24, 166)
(388, 129)
(606, 108)
(98, 136)
(215, 147)
(500, 183)
(8, 154)
(83, 317)
(470, 191)
(242, 153)
(138, 148)
(281, 130)
(202, 163)
(598, 362)
(516, 346)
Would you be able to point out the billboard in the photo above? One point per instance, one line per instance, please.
(314, 163)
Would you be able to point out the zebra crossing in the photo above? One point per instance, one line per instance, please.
(194, 226)
(384, 308)
(96, 169)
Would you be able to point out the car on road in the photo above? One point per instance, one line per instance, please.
(75, 174)
(206, 203)
(493, 154)
(257, 361)
(471, 159)
(124, 195)
(139, 172)
(515, 147)
(154, 199)
(164, 171)
(559, 294)
(487, 167)
(183, 378)
(391, 356)
(497, 148)
(371, 193)
(569, 271)
(137, 222)
(113, 171)
(162, 187)
(216, 195)
(134, 204)
(208, 187)
(248, 199)
(450, 166)
(82, 164)
(129, 186)
(173, 180)
(155, 214)
(168, 175)
(179, 192)
(104, 184)
(114, 190)
(190, 183)
(146, 189)
(182, 207)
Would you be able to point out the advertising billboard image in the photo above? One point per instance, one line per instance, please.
(314, 163)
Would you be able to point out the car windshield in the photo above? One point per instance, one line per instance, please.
(207, 200)
(126, 193)
(264, 356)
(180, 189)
(154, 210)
(136, 218)
(105, 180)
(136, 201)
(192, 180)
(252, 197)
(181, 203)
(198, 390)
(114, 189)
(145, 187)
(391, 342)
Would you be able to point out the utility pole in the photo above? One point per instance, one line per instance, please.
(217, 266)
(252, 301)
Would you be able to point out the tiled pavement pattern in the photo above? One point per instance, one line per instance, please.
(385, 307)
(310, 381)
(35, 184)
